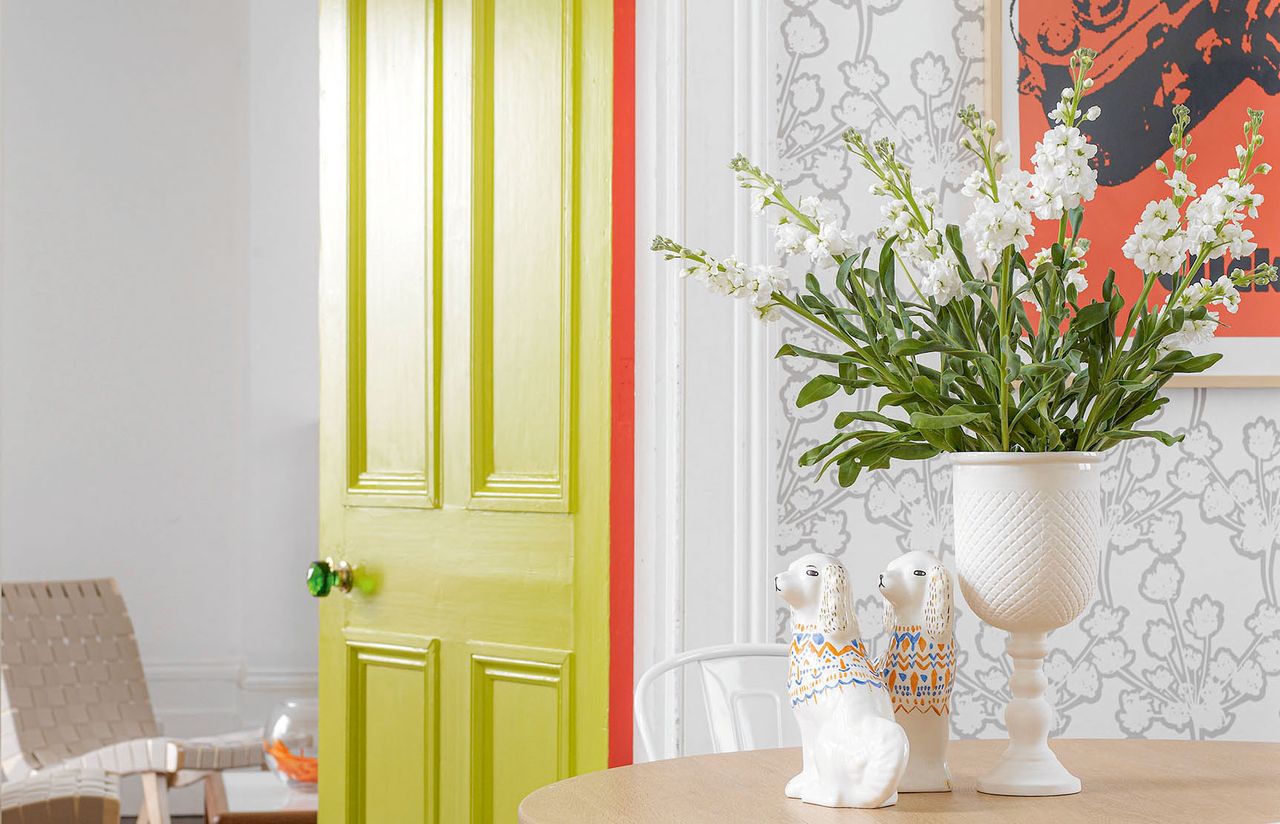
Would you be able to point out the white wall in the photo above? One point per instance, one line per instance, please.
(158, 312)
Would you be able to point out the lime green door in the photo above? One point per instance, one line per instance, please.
(465, 149)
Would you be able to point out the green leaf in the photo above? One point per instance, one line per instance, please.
(896, 399)
(917, 346)
(866, 415)
(923, 420)
(791, 350)
(1200, 362)
(886, 264)
(1129, 434)
(1090, 316)
(923, 386)
(815, 390)
(849, 471)
(912, 451)
(1180, 360)
(1075, 217)
(1036, 370)
(940, 439)
(822, 450)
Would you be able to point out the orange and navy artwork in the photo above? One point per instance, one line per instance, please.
(817, 665)
(1217, 57)
(918, 673)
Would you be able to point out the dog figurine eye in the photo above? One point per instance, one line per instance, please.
(920, 572)
(812, 572)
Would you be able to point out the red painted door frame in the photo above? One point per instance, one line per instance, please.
(622, 359)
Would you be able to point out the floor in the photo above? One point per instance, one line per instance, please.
(177, 819)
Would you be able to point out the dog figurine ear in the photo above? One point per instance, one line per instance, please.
(890, 617)
(835, 607)
(937, 604)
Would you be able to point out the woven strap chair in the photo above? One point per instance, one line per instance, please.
(73, 695)
(61, 797)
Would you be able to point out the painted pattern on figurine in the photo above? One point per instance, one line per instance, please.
(919, 673)
(817, 665)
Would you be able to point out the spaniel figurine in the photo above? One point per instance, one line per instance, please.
(919, 666)
(854, 753)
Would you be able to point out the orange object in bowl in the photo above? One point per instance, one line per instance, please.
(297, 767)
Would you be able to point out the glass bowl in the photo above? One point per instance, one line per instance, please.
(290, 742)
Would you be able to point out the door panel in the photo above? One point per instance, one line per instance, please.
(465, 419)
(523, 264)
(393, 265)
(392, 757)
(520, 725)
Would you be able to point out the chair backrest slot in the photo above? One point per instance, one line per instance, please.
(743, 690)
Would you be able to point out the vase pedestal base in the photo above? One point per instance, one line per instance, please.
(1029, 773)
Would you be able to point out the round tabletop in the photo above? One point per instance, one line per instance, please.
(1123, 780)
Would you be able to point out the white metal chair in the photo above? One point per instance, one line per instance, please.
(745, 692)
(60, 797)
(73, 695)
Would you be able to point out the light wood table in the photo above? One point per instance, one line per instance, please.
(1165, 781)
(258, 797)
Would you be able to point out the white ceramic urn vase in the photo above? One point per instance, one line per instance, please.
(1028, 539)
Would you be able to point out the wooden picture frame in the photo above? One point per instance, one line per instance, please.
(1248, 362)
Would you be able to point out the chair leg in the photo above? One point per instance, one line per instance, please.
(155, 798)
(215, 796)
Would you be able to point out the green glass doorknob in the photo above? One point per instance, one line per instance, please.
(325, 576)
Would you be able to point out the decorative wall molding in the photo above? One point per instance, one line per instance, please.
(660, 304)
(675, 341)
(220, 695)
(752, 340)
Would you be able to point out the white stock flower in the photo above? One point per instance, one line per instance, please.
(1238, 242)
(1222, 292)
(974, 184)
(1157, 246)
(791, 237)
(897, 218)
(941, 281)
(764, 281)
(831, 238)
(938, 275)
(1200, 332)
(1193, 333)
(1063, 176)
(996, 224)
(1214, 218)
(1181, 184)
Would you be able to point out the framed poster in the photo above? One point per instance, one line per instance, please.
(1219, 58)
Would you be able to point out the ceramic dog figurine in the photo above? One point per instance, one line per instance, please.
(854, 753)
(919, 666)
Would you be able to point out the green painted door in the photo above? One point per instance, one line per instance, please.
(465, 149)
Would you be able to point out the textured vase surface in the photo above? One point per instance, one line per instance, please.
(1028, 538)
(1028, 528)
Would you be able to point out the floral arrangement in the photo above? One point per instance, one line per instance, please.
(974, 345)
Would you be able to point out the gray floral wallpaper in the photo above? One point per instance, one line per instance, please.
(1184, 638)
